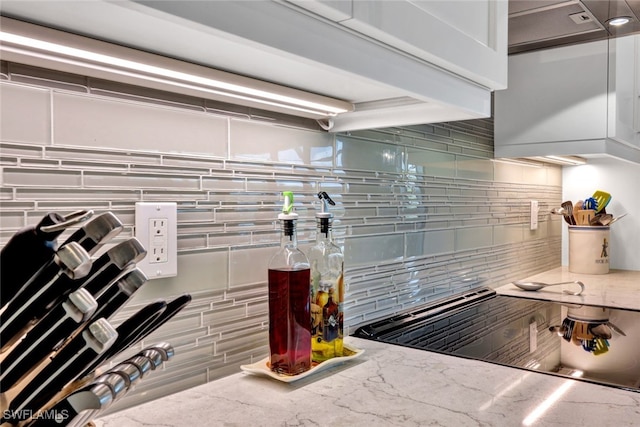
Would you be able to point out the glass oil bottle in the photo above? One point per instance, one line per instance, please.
(289, 300)
(327, 288)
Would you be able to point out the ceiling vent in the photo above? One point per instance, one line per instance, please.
(581, 18)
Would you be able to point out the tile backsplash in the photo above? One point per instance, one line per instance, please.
(422, 212)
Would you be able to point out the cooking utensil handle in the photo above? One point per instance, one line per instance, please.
(617, 218)
(577, 282)
(615, 328)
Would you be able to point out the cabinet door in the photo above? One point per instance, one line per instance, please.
(624, 90)
(554, 95)
(466, 37)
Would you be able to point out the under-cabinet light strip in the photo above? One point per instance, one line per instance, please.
(46, 50)
(564, 160)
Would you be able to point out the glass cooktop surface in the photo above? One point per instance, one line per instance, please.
(589, 343)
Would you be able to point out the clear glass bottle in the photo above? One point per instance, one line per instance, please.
(327, 288)
(289, 300)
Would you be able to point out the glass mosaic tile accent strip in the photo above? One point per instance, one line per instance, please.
(423, 212)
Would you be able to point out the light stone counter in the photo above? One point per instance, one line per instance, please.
(392, 386)
(396, 386)
(618, 288)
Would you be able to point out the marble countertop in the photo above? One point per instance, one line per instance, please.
(618, 288)
(392, 386)
(397, 386)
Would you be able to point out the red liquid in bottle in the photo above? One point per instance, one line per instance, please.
(289, 321)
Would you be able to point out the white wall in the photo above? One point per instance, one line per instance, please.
(622, 180)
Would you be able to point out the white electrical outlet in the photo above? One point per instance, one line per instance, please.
(156, 228)
(533, 336)
(158, 250)
(534, 215)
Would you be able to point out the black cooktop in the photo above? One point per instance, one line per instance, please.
(589, 343)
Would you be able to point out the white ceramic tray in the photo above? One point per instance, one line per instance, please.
(262, 367)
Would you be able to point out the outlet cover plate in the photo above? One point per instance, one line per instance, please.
(156, 228)
(534, 215)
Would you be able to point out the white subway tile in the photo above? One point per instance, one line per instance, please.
(503, 234)
(474, 168)
(197, 271)
(31, 177)
(25, 115)
(427, 162)
(473, 238)
(80, 120)
(249, 265)
(263, 142)
(373, 249)
(430, 242)
(354, 153)
(140, 181)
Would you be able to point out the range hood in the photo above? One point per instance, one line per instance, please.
(238, 37)
(579, 99)
(573, 81)
(541, 24)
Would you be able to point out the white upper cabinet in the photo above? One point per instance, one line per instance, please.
(398, 62)
(573, 100)
(468, 37)
(624, 90)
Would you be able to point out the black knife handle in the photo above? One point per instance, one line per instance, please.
(56, 269)
(173, 308)
(41, 340)
(118, 293)
(30, 249)
(103, 272)
(96, 232)
(131, 336)
(47, 274)
(30, 303)
(112, 263)
(115, 297)
(134, 325)
(128, 330)
(64, 367)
